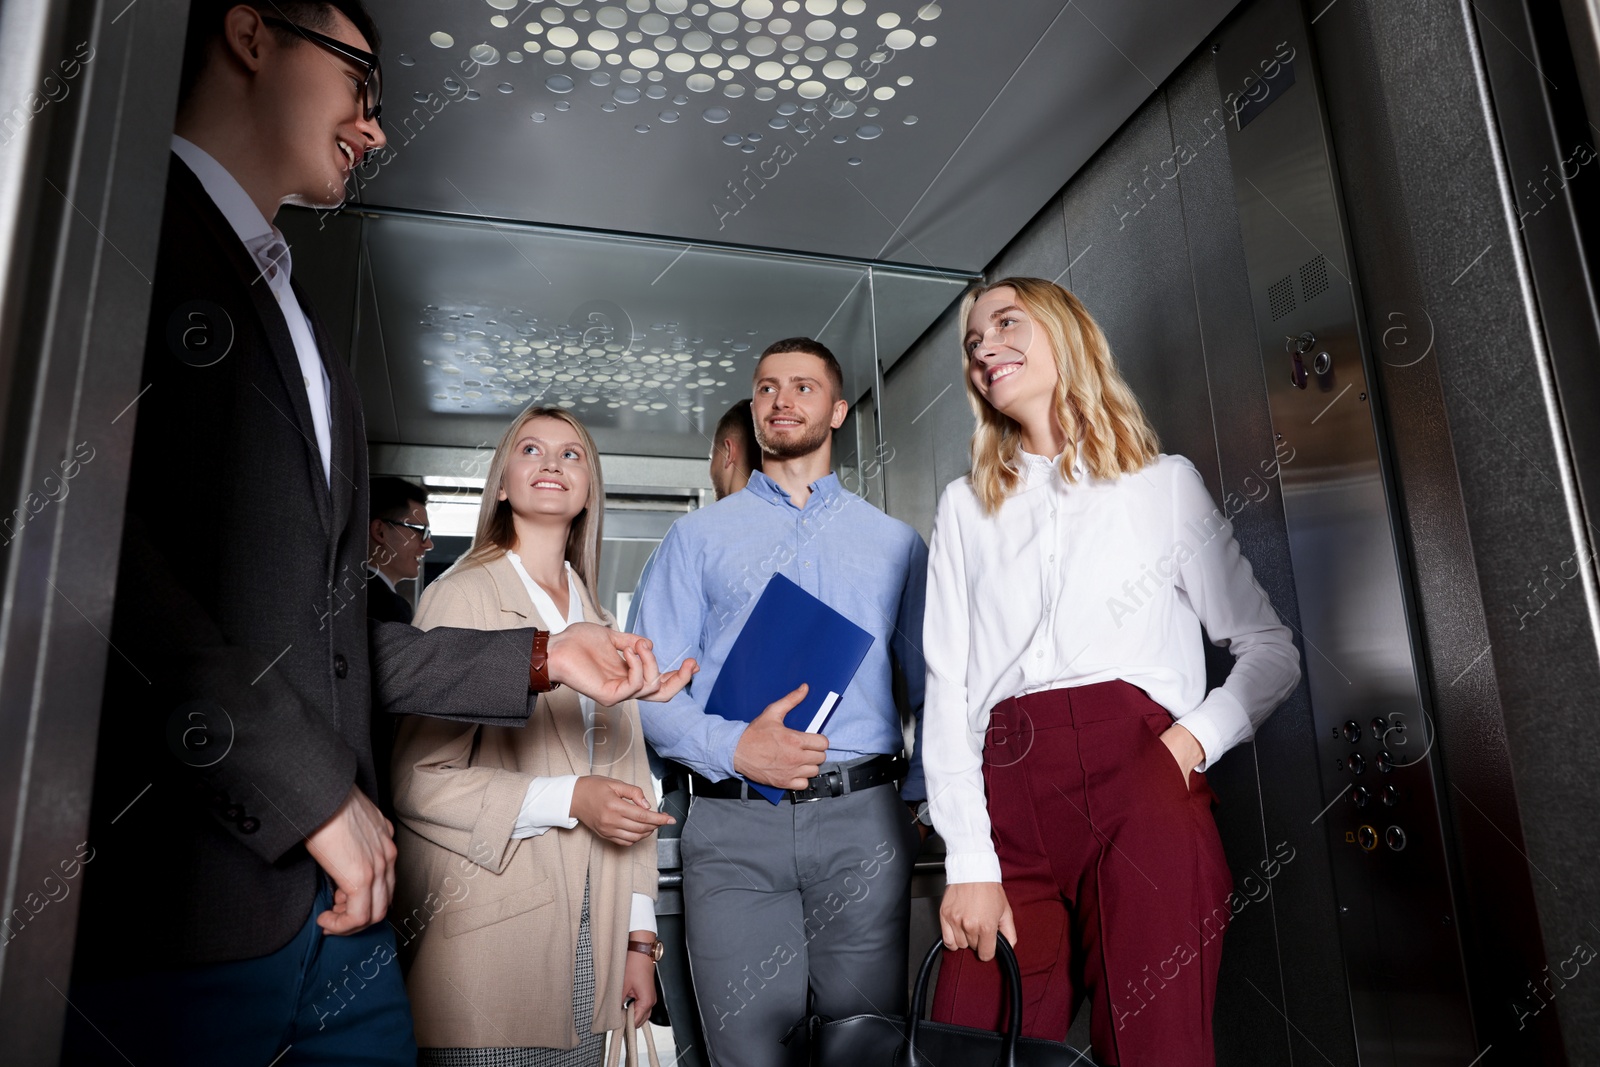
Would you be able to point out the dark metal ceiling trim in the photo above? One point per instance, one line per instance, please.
(524, 226)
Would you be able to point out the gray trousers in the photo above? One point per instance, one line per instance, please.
(781, 898)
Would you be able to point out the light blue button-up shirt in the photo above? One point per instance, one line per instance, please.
(712, 567)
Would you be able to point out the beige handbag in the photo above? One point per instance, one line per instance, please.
(623, 1038)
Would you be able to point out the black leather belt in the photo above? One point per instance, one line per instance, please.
(880, 770)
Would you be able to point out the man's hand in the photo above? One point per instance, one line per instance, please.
(1185, 749)
(615, 810)
(772, 754)
(639, 979)
(610, 667)
(356, 847)
(970, 914)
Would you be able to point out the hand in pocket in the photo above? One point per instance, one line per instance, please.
(1188, 752)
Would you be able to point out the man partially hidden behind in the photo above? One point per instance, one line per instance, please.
(735, 452)
(240, 868)
(811, 893)
(398, 537)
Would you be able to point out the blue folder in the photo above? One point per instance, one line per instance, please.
(789, 638)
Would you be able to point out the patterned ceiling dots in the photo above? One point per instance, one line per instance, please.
(786, 56)
(496, 360)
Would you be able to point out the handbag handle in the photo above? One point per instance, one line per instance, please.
(623, 1038)
(1009, 973)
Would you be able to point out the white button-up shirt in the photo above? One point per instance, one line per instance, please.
(548, 801)
(1073, 584)
(271, 253)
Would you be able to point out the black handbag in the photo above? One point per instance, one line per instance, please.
(898, 1042)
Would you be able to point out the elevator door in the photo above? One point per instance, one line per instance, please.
(1378, 760)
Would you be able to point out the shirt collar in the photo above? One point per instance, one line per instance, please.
(1034, 466)
(826, 488)
(263, 240)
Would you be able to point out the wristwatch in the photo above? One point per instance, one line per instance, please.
(924, 815)
(654, 949)
(539, 664)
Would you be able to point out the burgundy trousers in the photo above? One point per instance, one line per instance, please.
(1115, 875)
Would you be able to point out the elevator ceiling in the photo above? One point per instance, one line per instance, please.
(882, 131)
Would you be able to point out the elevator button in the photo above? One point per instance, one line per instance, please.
(1385, 761)
(1380, 726)
(1352, 731)
(1358, 763)
(1391, 796)
(1322, 363)
(1395, 838)
(1361, 795)
(1367, 837)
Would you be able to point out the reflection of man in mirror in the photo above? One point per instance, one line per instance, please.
(812, 892)
(229, 902)
(397, 538)
(734, 451)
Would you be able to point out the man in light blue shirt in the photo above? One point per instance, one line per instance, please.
(811, 892)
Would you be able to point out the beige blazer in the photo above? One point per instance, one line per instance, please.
(488, 925)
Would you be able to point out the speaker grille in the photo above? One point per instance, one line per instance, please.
(1280, 297)
(1314, 278)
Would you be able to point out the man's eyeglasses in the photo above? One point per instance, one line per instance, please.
(422, 532)
(372, 83)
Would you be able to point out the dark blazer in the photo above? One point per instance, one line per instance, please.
(244, 673)
(384, 604)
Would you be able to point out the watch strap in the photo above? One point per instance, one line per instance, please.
(654, 949)
(539, 664)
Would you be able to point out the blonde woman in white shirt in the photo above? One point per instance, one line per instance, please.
(1067, 723)
(526, 878)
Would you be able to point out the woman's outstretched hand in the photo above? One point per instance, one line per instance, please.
(610, 667)
(615, 810)
(971, 913)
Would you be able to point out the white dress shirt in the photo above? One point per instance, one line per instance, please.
(271, 253)
(1072, 584)
(548, 801)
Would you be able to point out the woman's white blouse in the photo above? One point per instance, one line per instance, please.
(1072, 584)
(548, 801)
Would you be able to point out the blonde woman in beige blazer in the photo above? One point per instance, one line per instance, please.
(527, 856)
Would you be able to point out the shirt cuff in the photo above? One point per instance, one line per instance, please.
(972, 867)
(642, 915)
(547, 803)
(725, 735)
(1218, 724)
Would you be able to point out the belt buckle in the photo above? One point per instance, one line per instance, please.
(832, 780)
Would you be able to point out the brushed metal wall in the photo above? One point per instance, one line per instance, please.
(1418, 100)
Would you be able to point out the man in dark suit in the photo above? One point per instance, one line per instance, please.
(398, 537)
(239, 867)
